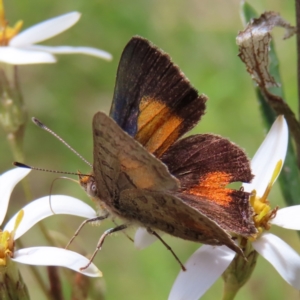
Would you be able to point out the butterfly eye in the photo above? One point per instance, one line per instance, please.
(93, 188)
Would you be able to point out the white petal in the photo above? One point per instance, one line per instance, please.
(40, 209)
(143, 239)
(288, 217)
(204, 267)
(8, 181)
(283, 258)
(16, 56)
(45, 30)
(272, 150)
(72, 50)
(52, 256)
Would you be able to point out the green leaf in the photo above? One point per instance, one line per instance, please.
(289, 178)
(248, 12)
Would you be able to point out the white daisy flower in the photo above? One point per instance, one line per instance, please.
(208, 263)
(30, 215)
(20, 49)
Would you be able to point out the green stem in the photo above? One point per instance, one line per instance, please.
(297, 2)
(229, 291)
(11, 283)
(16, 146)
(13, 117)
(240, 269)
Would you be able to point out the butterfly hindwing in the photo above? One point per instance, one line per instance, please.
(166, 212)
(153, 100)
(204, 165)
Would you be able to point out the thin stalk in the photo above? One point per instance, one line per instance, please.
(297, 3)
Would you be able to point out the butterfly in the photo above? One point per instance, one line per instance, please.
(146, 173)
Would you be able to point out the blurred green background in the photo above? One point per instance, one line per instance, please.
(200, 37)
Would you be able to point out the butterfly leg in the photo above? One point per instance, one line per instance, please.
(129, 237)
(168, 247)
(83, 223)
(101, 241)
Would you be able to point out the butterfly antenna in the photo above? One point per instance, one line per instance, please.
(21, 165)
(43, 126)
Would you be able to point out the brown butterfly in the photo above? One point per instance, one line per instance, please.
(144, 174)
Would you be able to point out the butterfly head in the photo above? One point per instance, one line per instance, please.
(88, 183)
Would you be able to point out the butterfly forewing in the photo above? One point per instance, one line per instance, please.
(153, 100)
(116, 153)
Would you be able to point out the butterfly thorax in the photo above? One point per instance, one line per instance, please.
(104, 199)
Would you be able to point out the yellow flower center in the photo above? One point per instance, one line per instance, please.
(6, 32)
(7, 242)
(262, 210)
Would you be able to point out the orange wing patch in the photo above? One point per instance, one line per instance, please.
(158, 126)
(212, 187)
